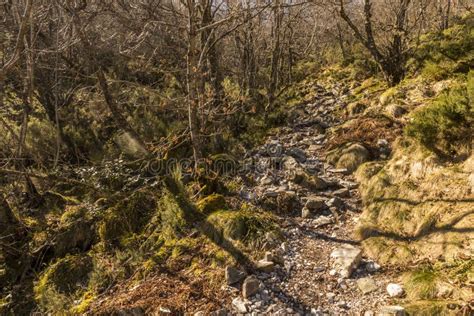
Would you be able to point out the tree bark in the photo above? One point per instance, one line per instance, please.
(193, 81)
(276, 52)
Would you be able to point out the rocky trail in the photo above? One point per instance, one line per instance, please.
(316, 267)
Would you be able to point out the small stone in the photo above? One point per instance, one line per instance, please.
(331, 297)
(265, 266)
(297, 153)
(284, 246)
(273, 256)
(322, 221)
(266, 181)
(239, 305)
(342, 193)
(332, 272)
(250, 287)
(305, 212)
(392, 311)
(372, 266)
(367, 285)
(369, 313)
(315, 203)
(200, 313)
(233, 275)
(335, 202)
(395, 290)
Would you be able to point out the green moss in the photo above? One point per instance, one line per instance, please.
(244, 225)
(211, 203)
(62, 282)
(391, 95)
(73, 214)
(55, 202)
(127, 217)
(429, 308)
(444, 125)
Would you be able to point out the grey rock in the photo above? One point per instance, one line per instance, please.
(395, 290)
(346, 259)
(335, 202)
(372, 267)
(274, 256)
(298, 154)
(306, 212)
(322, 221)
(367, 285)
(265, 266)
(233, 275)
(342, 193)
(239, 305)
(315, 203)
(250, 286)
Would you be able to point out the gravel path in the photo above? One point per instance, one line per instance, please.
(305, 278)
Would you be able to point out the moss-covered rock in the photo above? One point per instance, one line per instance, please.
(76, 231)
(243, 225)
(127, 216)
(56, 202)
(211, 203)
(349, 156)
(62, 282)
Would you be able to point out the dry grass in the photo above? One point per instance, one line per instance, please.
(366, 130)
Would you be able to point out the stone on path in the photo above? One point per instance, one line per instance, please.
(233, 275)
(372, 266)
(306, 212)
(367, 285)
(265, 266)
(392, 311)
(335, 202)
(322, 221)
(250, 286)
(342, 193)
(297, 153)
(315, 203)
(346, 259)
(274, 256)
(240, 305)
(395, 290)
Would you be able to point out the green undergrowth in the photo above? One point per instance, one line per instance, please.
(445, 125)
(443, 54)
(131, 236)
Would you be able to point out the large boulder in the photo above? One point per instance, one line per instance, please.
(349, 156)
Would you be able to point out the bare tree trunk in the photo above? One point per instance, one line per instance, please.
(340, 39)
(213, 67)
(113, 107)
(392, 64)
(276, 52)
(193, 81)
